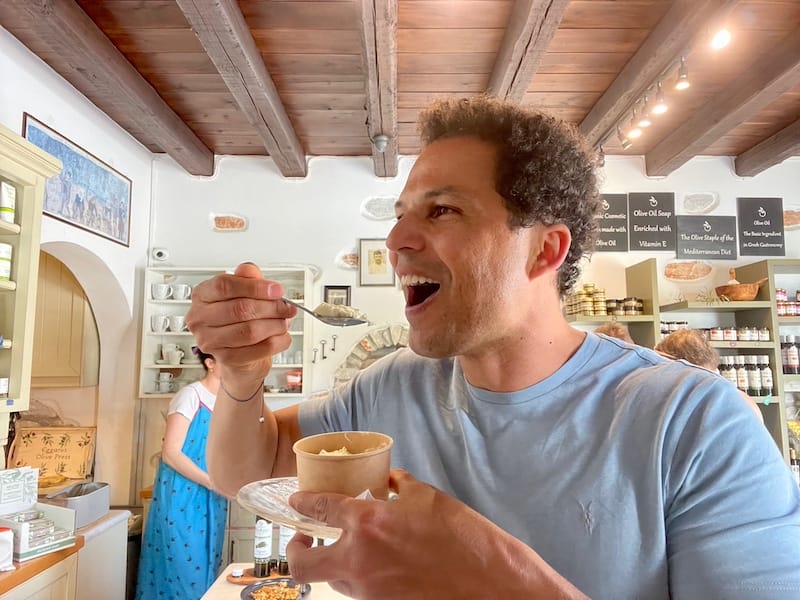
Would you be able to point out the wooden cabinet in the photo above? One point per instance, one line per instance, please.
(54, 583)
(62, 315)
(27, 168)
(160, 329)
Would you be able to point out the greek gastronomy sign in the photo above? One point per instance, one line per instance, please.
(760, 226)
(707, 237)
(612, 224)
(652, 221)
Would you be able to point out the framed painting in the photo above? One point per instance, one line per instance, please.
(373, 262)
(337, 294)
(87, 193)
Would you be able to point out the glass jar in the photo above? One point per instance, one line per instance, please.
(763, 334)
(729, 334)
(716, 334)
(743, 334)
(781, 295)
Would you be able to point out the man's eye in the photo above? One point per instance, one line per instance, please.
(438, 211)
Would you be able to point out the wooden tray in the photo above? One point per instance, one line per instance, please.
(247, 578)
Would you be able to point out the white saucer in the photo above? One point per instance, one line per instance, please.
(161, 361)
(189, 362)
(268, 498)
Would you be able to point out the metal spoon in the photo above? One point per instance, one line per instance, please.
(335, 321)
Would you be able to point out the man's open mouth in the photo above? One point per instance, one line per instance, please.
(418, 289)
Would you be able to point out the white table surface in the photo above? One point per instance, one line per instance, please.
(222, 590)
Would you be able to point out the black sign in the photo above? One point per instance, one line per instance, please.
(652, 221)
(707, 237)
(612, 224)
(760, 226)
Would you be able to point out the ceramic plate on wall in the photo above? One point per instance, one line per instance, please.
(688, 271)
(700, 203)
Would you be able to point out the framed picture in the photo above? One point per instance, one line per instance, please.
(373, 263)
(337, 294)
(87, 193)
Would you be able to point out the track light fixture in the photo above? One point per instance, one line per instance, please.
(634, 131)
(660, 106)
(683, 76)
(623, 140)
(644, 118)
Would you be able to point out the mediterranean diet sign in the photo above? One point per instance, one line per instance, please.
(705, 237)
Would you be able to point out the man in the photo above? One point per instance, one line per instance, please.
(555, 464)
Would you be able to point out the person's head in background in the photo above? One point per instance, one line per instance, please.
(207, 360)
(616, 330)
(691, 346)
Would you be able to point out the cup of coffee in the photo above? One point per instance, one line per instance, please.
(181, 291)
(159, 323)
(174, 357)
(161, 291)
(177, 323)
(165, 387)
(165, 376)
(344, 462)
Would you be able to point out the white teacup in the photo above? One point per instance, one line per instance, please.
(174, 357)
(161, 291)
(177, 323)
(181, 291)
(167, 348)
(159, 323)
(166, 387)
(165, 376)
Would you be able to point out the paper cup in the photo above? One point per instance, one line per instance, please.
(365, 468)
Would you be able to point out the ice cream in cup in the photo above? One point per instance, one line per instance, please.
(344, 462)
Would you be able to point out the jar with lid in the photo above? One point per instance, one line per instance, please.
(715, 334)
(729, 334)
(763, 334)
(743, 334)
(780, 308)
(781, 295)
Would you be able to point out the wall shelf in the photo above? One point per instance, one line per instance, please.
(715, 307)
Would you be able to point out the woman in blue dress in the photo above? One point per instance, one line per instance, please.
(182, 547)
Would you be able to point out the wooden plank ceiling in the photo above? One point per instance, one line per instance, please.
(195, 78)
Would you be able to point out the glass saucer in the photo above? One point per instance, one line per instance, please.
(269, 498)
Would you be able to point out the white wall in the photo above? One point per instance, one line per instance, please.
(107, 271)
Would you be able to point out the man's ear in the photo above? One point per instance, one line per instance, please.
(551, 249)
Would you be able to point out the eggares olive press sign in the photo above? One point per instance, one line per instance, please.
(652, 221)
(761, 226)
(612, 224)
(707, 237)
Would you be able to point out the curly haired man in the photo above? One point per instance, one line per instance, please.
(537, 461)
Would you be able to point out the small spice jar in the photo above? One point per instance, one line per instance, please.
(729, 334)
(743, 334)
(716, 334)
(763, 334)
(780, 295)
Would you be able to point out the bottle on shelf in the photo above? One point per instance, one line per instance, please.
(741, 373)
(766, 375)
(753, 376)
(794, 464)
(262, 545)
(792, 364)
(727, 370)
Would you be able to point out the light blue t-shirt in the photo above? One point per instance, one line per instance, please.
(633, 476)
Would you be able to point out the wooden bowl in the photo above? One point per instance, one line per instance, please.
(739, 291)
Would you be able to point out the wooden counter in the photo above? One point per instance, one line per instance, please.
(25, 570)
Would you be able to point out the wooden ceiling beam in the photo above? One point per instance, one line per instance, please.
(681, 26)
(770, 152)
(378, 25)
(223, 32)
(759, 85)
(103, 74)
(530, 29)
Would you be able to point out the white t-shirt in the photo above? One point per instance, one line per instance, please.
(187, 400)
